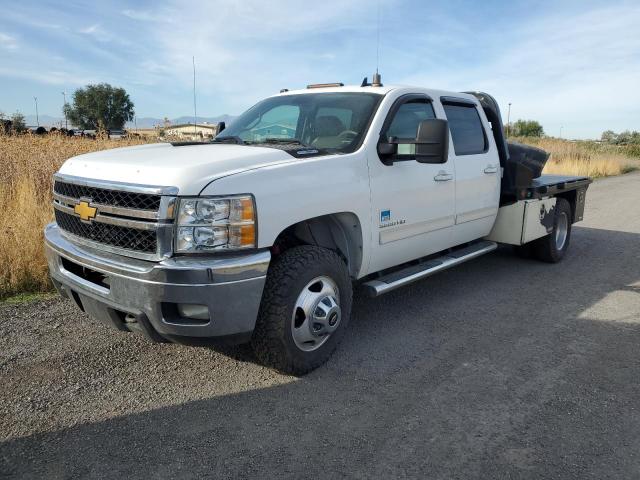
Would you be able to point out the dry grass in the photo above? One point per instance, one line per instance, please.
(28, 163)
(584, 158)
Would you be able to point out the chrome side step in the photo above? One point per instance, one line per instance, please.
(414, 273)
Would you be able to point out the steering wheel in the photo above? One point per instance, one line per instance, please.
(343, 136)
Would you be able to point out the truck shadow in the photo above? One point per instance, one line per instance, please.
(500, 367)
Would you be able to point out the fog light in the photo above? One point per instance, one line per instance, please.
(197, 312)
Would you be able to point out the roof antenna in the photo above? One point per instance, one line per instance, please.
(377, 79)
(195, 114)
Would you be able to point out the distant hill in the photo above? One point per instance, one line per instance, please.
(142, 122)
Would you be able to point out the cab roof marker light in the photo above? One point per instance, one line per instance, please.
(325, 85)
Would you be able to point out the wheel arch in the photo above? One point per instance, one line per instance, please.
(340, 232)
(571, 197)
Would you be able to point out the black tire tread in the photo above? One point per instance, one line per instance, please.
(544, 248)
(268, 340)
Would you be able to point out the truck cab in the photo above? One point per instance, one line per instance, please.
(261, 234)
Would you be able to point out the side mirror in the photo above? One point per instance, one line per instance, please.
(386, 149)
(432, 141)
(221, 126)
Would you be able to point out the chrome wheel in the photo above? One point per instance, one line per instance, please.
(316, 314)
(562, 230)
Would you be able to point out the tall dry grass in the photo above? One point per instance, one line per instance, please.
(584, 158)
(27, 163)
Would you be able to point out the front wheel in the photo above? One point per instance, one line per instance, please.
(553, 247)
(305, 310)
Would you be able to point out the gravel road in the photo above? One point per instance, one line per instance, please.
(501, 368)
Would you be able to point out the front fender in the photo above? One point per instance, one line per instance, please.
(308, 188)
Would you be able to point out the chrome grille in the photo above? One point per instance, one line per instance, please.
(133, 220)
(103, 196)
(119, 237)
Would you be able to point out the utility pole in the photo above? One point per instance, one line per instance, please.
(195, 115)
(560, 131)
(509, 120)
(37, 117)
(66, 123)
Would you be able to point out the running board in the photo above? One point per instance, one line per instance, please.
(414, 273)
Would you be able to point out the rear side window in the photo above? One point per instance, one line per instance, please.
(466, 129)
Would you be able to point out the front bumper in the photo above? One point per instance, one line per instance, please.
(132, 294)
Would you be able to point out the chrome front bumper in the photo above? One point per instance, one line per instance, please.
(133, 294)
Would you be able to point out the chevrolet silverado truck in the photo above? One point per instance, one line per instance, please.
(261, 235)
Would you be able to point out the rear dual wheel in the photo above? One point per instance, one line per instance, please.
(551, 248)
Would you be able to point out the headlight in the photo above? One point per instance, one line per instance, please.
(209, 224)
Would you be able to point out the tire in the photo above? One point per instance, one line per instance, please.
(290, 302)
(553, 247)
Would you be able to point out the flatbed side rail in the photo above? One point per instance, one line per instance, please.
(547, 185)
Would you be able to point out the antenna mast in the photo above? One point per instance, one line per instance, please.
(378, 38)
(195, 114)
(377, 80)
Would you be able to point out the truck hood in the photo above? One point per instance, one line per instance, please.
(188, 167)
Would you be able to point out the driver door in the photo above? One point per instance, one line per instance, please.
(413, 203)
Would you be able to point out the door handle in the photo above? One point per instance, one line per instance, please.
(491, 169)
(443, 176)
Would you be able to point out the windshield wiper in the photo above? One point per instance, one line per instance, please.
(229, 139)
(285, 140)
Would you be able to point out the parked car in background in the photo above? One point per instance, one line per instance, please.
(116, 134)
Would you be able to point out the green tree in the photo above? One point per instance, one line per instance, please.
(625, 137)
(100, 107)
(18, 124)
(622, 138)
(609, 136)
(526, 128)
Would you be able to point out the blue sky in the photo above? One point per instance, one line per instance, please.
(571, 64)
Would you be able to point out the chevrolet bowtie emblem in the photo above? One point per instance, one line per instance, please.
(85, 211)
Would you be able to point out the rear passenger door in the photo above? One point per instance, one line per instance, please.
(477, 168)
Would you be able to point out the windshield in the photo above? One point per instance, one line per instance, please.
(329, 121)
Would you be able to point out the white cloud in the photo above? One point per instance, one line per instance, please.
(578, 69)
(8, 42)
(246, 50)
(97, 32)
(47, 77)
(146, 15)
(102, 35)
(580, 72)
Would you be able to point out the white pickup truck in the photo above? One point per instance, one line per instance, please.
(260, 235)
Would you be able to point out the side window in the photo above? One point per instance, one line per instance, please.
(466, 129)
(405, 122)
